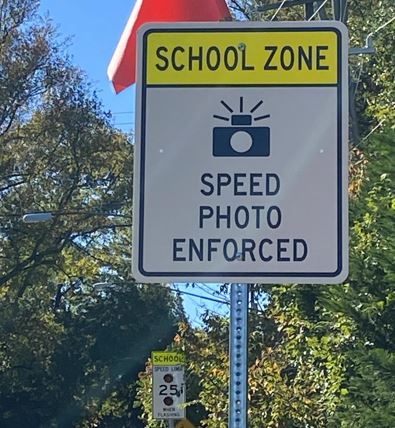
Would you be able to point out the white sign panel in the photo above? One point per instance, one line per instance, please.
(168, 389)
(241, 153)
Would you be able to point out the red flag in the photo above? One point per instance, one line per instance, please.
(121, 70)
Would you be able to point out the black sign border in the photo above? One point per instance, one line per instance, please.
(340, 83)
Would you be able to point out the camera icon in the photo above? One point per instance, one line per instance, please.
(241, 138)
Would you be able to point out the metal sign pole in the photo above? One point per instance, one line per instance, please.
(238, 340)
(171, 423)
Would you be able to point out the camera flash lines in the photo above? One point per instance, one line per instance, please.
(241, 109)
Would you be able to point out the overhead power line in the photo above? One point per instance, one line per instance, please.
(278, 9)
(287, 3)
(317, 10)
(211, 299)
(371, 132)
(382, 26)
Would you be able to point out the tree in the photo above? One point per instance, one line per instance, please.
(70, 353)
(368, 299)
(323, 356)
(295, 367)
(79, 363)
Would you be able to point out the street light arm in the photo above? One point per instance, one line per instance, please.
(41, 217)
(37, 217)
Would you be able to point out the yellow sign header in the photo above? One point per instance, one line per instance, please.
(257, 57)
(167, 358)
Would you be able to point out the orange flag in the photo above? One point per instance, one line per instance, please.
(122, 68)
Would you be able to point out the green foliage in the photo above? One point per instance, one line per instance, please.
(369, 399)
(29, 337)
(373, 74)
(369, 298)
(295, 370)
(58, 153)
(206, 375)
(80, 361)
(70, 351)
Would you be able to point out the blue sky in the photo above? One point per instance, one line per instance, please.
(95, 27)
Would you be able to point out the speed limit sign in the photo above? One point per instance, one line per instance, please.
(168, 385)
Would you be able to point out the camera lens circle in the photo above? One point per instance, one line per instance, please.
(241, 141)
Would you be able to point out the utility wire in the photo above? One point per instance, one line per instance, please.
(382, 26)
(368, 38)
(219, 305)
(175, 289)
(278, 9)
(224, 302)
(206, 288)
(318, 9)
(359, 77)
(371, 132)
(199, 296)
(217, 299)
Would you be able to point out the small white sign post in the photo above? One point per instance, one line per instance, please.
(241, 153)
(168, 385)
